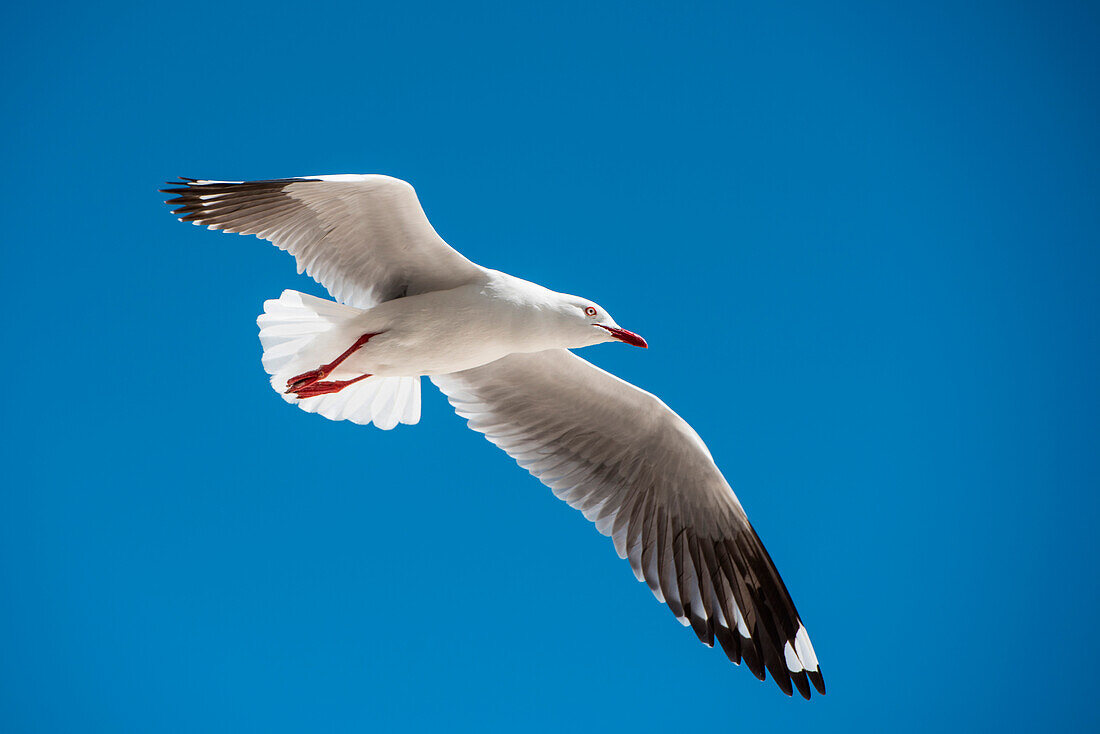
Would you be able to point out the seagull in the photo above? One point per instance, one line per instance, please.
(408, 305)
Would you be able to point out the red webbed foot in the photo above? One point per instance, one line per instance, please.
(316, 388)
(306, 378)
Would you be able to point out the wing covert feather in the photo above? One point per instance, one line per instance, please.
(645, 478)
(365, 238)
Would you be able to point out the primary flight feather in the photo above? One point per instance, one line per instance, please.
(408, 305)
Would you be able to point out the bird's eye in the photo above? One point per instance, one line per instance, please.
(590, 311)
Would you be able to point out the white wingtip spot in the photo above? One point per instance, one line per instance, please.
(805, 649)
(793, 663)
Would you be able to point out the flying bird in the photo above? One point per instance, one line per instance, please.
(407, 304)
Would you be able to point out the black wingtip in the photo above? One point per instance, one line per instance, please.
(784, 683)
(176, 185)
(802, 684)
(178, 180)
(817, 679)
(729, 644)
(751, 655)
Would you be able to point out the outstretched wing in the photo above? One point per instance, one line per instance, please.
(365, 238)
(645, 478)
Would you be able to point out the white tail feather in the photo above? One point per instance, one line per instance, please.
(291, 325)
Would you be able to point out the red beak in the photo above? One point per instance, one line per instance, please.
(627, 337)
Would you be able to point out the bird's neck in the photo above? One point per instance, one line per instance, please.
(530, 316)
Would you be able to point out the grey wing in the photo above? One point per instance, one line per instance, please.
(646, 479)
(365, 238)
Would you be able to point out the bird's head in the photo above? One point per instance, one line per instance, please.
(589, 323)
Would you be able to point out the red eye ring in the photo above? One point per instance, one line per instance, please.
(590, 311)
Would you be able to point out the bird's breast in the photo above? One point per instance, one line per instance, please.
(444, 332)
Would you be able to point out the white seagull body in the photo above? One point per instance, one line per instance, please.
(408, 305)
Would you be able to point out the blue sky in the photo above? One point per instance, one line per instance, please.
(862, 241)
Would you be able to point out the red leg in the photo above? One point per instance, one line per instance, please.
(308, 378)
(314, 389)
